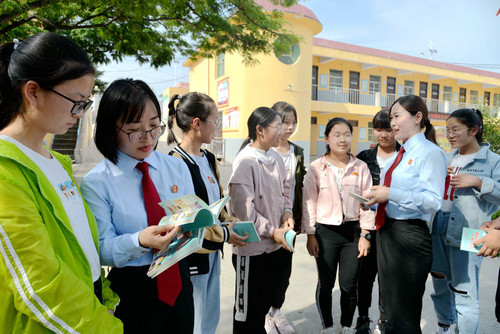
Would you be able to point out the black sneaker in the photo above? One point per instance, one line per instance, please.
(363, 325)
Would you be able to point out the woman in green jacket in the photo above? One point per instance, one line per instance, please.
(50, 274)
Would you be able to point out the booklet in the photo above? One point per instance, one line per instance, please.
(469, 235)
(246, 228)
(290, 237)
(176, 251)
(359, 198)
(190, 212)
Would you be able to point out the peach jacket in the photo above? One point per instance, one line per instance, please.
(322, 203)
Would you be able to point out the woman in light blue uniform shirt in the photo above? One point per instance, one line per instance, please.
(409, 194)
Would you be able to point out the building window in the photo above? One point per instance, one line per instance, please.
(336, 80)
(375, 83)
(409, 87)
(221, 64)
(291, 56)
(496, 100)
(473, 96)
(370, 131)
(447, 92)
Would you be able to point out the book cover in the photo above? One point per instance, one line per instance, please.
(246, 228)
(290, 237)
(469, 235)
(176, 251)
(191, 212)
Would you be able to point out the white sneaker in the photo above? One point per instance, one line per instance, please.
(329, 330)
(377, 330)
(348, 330)
(442, 330)
(282, 324)
(269, 325)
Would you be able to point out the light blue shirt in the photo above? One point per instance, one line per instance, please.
(114, 193)
(418, 182)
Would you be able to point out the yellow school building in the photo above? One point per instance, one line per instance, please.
(323, 79)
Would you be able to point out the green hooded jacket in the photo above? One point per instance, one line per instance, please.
(45, 279)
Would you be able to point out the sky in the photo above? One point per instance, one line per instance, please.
(462, 32)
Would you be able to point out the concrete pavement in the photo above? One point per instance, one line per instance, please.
(300, 307)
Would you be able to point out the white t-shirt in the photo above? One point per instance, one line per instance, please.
(290, 161)
(459, 161)
(209, 178)
(339, 174)
(382, 161)
(71, 201)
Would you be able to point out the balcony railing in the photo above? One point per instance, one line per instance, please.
(384, 100)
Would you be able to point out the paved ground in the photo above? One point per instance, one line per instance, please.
(300, 307)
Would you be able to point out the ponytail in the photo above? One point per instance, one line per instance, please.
(262, 116)
(170, 122)
(430, 132)
(10, 98)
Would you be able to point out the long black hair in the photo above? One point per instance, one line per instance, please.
(46, 58)
(413, 104)
(262, 116)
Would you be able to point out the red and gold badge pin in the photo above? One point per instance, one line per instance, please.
(175, 188)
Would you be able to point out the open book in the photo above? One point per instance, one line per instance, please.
(192, 214)
(177, 250)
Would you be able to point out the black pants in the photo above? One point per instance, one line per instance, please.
(497, 299)
(283, 271)
(256, 280)
(141, 311)
(366, 277)
(338, 246)
(404, 255)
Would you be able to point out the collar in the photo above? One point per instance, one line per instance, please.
(324, 162)
(481, 154)
(127, 164)
(413, 141)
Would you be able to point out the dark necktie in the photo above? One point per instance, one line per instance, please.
(168, 282)
(380, 217)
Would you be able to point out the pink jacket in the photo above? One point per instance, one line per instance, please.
(259, 193)
(322, 202)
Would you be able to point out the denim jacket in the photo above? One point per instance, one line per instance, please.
(472, 207)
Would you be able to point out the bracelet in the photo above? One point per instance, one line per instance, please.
(288, 210)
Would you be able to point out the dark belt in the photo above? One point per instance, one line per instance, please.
(98, 289)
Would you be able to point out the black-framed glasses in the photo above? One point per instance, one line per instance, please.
(139, 135)
(78, 106)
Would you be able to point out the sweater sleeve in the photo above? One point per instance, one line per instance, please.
(309, 200)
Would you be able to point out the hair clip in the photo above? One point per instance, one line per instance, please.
(16, 43)
(180, 97)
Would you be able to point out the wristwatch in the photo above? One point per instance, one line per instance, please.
(367, 236)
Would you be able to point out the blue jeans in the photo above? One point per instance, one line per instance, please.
(206, 295)
(455, 297)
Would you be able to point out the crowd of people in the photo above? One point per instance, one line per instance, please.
(418, 200)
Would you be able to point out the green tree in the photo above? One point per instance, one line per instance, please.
(153, 32)
(492, 131)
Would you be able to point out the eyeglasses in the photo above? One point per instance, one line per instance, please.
(277, 127)
(455, 131)
(139, 135)
(217, 123)
(78, 106)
